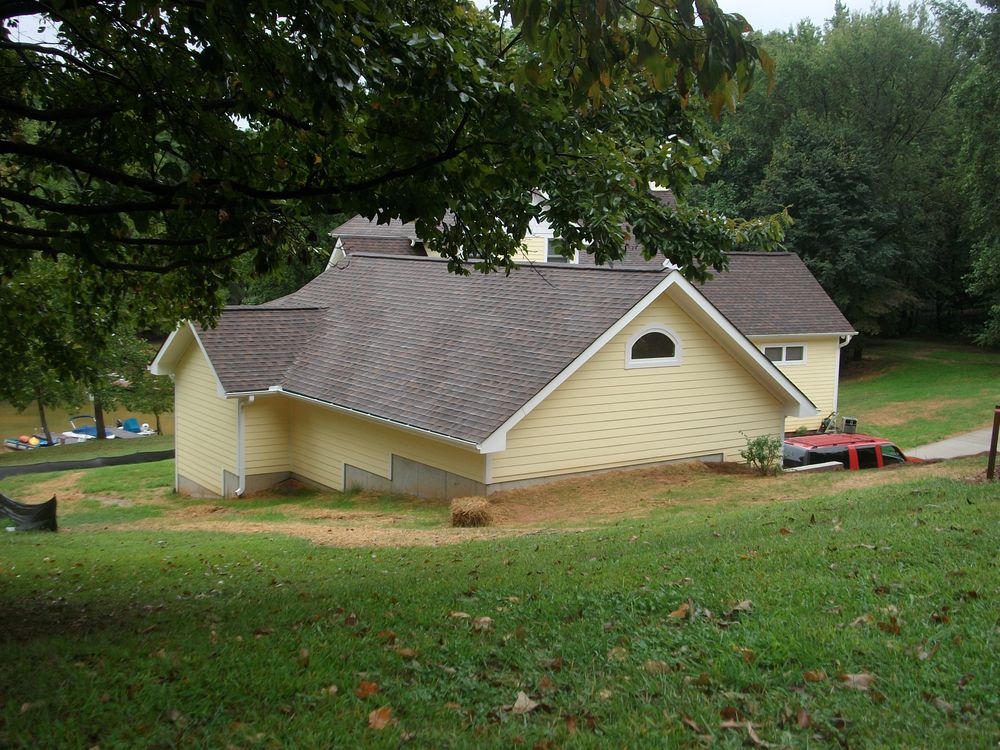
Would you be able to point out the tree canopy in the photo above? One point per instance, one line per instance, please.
(167, 139)
(861, 141)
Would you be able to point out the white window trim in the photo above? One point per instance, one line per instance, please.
(673, 361)
(784, 348)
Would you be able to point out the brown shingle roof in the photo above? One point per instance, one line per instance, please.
(761, 293)
(382, 245)
(252, 347)
(773, 293)
(405, 340)
(359, 226)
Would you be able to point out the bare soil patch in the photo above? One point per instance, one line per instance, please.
(338, 536)
(896, 414)
(63, 486)
(570, 506)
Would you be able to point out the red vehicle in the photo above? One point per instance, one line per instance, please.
(854, 451)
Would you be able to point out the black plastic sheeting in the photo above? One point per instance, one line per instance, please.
(41, 517)
(90, 463)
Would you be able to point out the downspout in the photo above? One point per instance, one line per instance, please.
(836, 376)
(241, 467)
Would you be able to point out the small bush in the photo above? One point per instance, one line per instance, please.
(472, 511)
(763, 453)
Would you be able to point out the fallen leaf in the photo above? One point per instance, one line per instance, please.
(858, 681)
(304, 657)
(604, 694)
(380, 717)
(655, 666)
(547, 684)
(482, 624)
(748, 656)
(865, 619)
(784, 531)
(460, 615)
(570, 725)
(682, 611)
(803, 719)
(814, 675)
(692, 724)
(351, 619)
(731, 713)
(365, 688)
(262, 631)
(964, 680)
(523, 704)
(330, 690)
(891, 627)
(757, 741)
(406, 653)
(386, 635)
(555, 664)
(939, 703)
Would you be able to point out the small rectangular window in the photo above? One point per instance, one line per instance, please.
(553, 251)
(786, 354)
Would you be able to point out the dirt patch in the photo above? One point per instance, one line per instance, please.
(63, 486)
(335, 536)
(570, 506)
(896, 414)
(606, 496)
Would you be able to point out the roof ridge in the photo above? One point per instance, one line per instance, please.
(529, 264)
(263, 306)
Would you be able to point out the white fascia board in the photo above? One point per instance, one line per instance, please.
(438, 436)
(755, 336)
(804, 406)
(497, 441)
(172, 349)
(165, 359)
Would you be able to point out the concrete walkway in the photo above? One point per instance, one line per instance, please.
(968, 444)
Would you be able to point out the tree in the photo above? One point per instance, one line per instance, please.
(156, 142)
(866, 102)
(979, 102)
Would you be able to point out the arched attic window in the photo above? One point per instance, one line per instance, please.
(655, 346)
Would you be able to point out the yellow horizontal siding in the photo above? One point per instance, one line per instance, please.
(323, 440)
(534, 250)
(606, 416)
(204, 423)
(265, 442)
(816, 377)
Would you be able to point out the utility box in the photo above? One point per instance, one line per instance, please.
(850, 425)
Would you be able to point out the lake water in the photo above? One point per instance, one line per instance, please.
(13, 424)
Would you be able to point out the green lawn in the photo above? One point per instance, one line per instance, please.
(673, 629)
(88, 449)
(918, 392)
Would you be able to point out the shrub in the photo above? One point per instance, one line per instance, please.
(471, 511)
(763, 453)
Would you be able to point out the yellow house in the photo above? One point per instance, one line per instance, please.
(772, 298)
(389, 372)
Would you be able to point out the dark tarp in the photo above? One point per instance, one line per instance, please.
(29, 517)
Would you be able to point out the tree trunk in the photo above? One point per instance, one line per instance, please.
(41, 416)
(159, 430)
(99, 419)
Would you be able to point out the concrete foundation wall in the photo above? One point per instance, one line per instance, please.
(414, 478)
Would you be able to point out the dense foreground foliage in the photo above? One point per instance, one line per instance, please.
(855, 619)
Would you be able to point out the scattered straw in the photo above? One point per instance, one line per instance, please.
(471, 511)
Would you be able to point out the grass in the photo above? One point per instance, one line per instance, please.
(88, 449)
(627, 634)
(915, 393)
